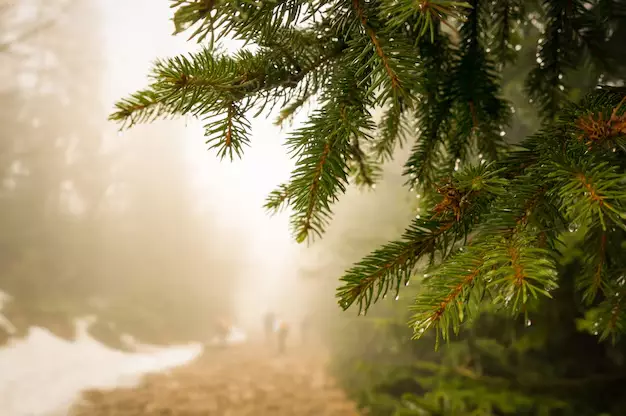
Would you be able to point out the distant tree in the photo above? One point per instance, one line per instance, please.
(15, 35)
(53, 177)
(85, 228)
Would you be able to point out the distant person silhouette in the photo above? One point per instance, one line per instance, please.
(283, 331)
(269, 322)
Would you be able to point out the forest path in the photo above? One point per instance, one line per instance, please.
(235, 381)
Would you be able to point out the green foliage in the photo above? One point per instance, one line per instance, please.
(220, 89)
(497, 366)
(494, 216)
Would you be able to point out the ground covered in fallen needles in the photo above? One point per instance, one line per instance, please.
(233, 381)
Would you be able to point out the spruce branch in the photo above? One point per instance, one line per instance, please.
(609, 133)
(590, 191)
(220, 89)
(499, 265)
(192, 12)
(141, 107)
(278, 199)
(199, 84)
(323, 149)
(433, 112)
(241, 19)
(385, 62)
(530, 211)
(207, 86)
(391, 265)
(356, 55)
(452, 294)
(228, 134)
(320, 175)
(616, 323)
(558, 51)
(594, 280)
(424, 15)
(392, 131)
(364, 170)
(608, 318)
(593, 24)
(290, 110)
(504, 14)
(425, 164)
(520, 270)
(264, 18)
(462, 202)
(479, 111)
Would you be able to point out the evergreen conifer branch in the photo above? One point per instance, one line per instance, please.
(529, 211)
(519, 235)
(508, 268)
(385, 62)
(555, 55)
(599, 126)
(603, 264)
(391, 265)
(615, 311)
(452, 295)
(426, 155)
(250, 19)
(608, 318)
(520, 271)
(262, 19)
(594, 26)
(192, 12)
(323, 149)
(504, 15)
(424, 15)
(480, 112)
(321, 173)
(140, 107)
(220, 89)
(385, 59)
(392, 131)
(365, 170)
(229, 133)
(594, 280)
(576, 32)
(591, 192)
(352, 56)
(462, 202)
(278, 199)
(433, 112)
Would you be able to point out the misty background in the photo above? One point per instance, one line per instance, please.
(145, 237)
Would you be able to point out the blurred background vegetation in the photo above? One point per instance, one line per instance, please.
(95, 224)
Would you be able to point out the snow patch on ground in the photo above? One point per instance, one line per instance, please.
(43, 375)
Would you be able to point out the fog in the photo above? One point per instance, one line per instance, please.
(144, 234)
(167, 213)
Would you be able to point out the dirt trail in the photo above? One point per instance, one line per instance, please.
(237, 381)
